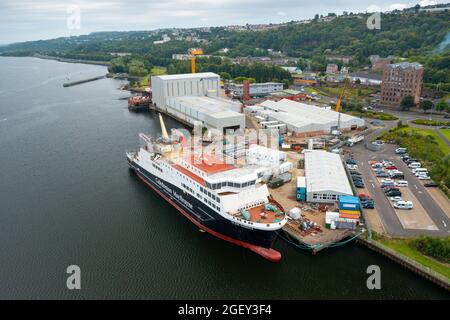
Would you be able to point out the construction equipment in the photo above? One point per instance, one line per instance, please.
(194, 52)
(338, 104)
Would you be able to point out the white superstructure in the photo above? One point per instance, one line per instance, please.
(226, 189)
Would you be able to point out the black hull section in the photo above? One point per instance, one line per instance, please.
(201, 214)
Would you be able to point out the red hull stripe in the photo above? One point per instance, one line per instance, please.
(269, 254)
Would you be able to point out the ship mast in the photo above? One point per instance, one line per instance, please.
(164, 134)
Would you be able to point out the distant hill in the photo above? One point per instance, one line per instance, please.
(411, 34)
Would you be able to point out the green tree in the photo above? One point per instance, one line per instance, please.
(426, 105)
(407, 103)
(442, 105)
(225, 75)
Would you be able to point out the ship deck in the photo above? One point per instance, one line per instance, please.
(259, 214)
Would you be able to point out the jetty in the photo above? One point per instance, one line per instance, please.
(74, 83)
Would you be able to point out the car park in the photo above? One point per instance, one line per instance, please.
(403, 205)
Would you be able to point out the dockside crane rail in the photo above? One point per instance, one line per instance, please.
(338, 104)
(194, 52)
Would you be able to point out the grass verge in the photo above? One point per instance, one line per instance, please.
(434, 123)
(404, 247)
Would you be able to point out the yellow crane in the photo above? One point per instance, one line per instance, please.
(194, 52)
(338, 104)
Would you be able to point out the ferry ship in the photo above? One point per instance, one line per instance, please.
(227, 201)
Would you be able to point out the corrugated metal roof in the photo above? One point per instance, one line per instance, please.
(298, 115)
(325, 171)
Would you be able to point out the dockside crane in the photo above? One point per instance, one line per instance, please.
(194, 52)
(338, 104)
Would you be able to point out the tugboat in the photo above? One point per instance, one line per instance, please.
(139, 103)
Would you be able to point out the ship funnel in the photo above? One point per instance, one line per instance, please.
(165, 136)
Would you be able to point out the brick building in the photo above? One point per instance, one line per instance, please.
(332, 68)
(379, 63)
(400, 80)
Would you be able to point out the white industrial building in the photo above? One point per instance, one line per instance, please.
(178, 85)
(257, 89)
(303, 119)
(212, 112)
(326, 178)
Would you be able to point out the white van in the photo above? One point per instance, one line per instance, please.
(403, 205)
(400, 150)
(414, 165)
(419, 170)
(402, 183)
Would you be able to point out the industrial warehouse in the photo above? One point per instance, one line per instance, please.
(257, 89)
(325, 177)
(303, 119)
(212, 112)
(178, 85)
(195, 97)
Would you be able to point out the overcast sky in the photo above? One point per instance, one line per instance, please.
(22, 20)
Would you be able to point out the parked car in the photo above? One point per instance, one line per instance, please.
(396, 198)
(391, 168)
(359, 184)
(368, 205)
(431, 184)
(403, 205)
(409, 161)
(402, 183)
(352, 166)
(400, 150)
(377, 166)
(386, 189)
(382, 174)
(350, 161)
(424, 177)
(418, 171)
(355, 173)
(393, 193)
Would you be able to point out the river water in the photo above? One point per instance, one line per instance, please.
(68, 198)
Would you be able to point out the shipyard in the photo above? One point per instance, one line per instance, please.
(305, 153)
(209, 152)
(308, 180)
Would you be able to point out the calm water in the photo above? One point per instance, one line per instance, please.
(67, 197)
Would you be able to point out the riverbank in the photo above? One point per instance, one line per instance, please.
(399, 251)
(99, 63)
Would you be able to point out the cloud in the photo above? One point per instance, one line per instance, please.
(22, 20)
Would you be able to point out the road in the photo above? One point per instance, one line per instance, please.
(389, 218)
